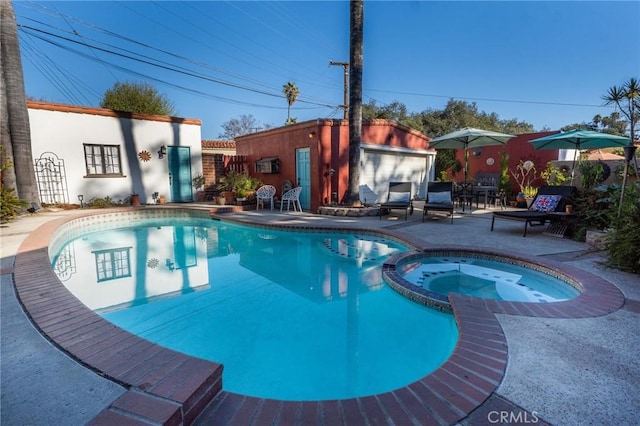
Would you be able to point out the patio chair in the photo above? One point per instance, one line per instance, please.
(292, 196)
(263, 194)
(549, 199)
(439, 198)
(398, 198)
(464, 195)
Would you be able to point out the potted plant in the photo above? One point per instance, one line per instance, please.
(529, 194)
(246, 187)
(219, 200)
(525, 173)
(236, 184)
(198, 182)
(228, 184)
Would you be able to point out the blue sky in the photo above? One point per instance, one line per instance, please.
(546, 63)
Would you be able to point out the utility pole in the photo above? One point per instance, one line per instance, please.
(345, 106)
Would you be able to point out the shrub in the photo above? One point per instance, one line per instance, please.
(594, 210)
(553, 175)
(623, 240)
(10, 205)
(592, 173)
(101, 203)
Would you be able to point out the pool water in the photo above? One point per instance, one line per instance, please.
(490, 279)
(291, 315)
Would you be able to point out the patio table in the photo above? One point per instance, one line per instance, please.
(483, 190)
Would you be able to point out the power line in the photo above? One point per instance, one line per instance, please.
(305, 99)
(173, 68)
(486, 99)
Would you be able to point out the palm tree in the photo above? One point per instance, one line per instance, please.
(291, 92)
(627, 99)
(14, 122)
(355, 98)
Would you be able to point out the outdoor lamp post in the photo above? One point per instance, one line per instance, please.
(81, 199)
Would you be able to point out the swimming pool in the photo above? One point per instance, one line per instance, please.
(291, 315)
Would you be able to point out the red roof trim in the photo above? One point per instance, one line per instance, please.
(110, 113)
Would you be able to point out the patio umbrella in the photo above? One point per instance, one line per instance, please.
(469, 138)
(577, 140)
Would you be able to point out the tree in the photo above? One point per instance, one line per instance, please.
(356, 24)
(395, 111)
(137, 97)
(626, 98)
(291, 92)
(457, 115)
(242, 125)
(15, 132)
(612, 124)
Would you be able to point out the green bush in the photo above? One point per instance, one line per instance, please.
(592, 173)
(101, 203)
(10, 205)
(553, 175)
(594, 209)
(623, 240)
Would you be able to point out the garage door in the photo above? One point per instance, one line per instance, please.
(379, 168)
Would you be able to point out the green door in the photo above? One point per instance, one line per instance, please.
(179, 158)
(303, 174)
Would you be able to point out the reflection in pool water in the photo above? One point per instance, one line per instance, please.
(291, 315)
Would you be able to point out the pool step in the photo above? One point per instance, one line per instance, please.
(366, 250)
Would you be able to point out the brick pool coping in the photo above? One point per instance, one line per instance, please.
(167, 387)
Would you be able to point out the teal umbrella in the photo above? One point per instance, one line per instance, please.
(469, 138)
(578, 140)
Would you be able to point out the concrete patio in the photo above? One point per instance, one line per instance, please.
(559, 371)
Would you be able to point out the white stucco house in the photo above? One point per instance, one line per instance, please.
(95, 152)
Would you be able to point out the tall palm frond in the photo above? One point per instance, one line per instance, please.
(291, 92)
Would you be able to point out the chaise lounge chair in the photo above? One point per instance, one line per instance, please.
(548, 199)
(399, 198)
(439, 198)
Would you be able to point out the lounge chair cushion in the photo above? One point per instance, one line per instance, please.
(546, 203)
(439, 197)
(399, 197)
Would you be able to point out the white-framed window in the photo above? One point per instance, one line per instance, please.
(102, 160)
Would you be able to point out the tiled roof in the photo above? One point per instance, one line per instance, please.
(218, 144)
(599, 154)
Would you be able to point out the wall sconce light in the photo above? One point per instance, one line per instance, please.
(329, 171)
(81, 199)
(162, 152)
(312, 134)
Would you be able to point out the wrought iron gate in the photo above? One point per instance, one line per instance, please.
(51, 177)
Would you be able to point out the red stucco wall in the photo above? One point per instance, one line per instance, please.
(328, 141)
(517, 148)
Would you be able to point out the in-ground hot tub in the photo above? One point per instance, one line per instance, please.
(433, 274)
